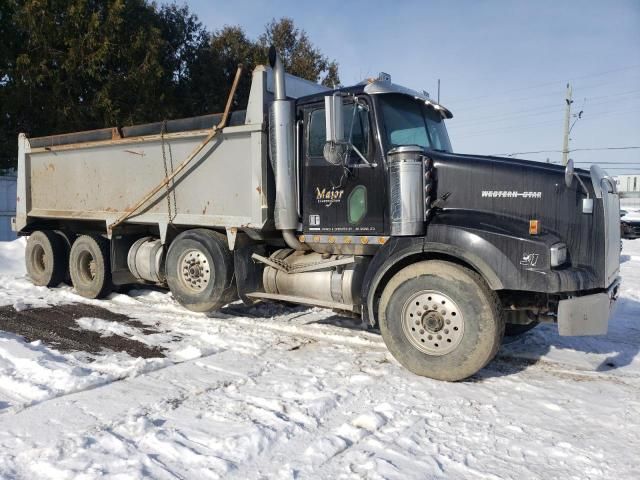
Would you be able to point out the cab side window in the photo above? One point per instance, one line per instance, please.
(317, 132)
(356, 125)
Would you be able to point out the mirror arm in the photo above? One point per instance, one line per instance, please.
(584, 187)
(353, 120)
(372, 165)
(351, 145)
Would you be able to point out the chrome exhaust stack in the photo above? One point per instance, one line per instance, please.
(283, 155)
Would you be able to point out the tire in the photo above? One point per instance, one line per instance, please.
(67, 241)
(199, 270)
(517, 329)
(440, 320)
(90, 266)
(46, 258)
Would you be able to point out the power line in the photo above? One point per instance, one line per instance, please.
(598, 116)
(597, 74)
(475, 106)
(630, 92)
(492, 103)
(510, 117)
(570, 150)
(603, 148)
(611, 112)
(500, 130)
(539, 110)
(490, 112)
(530, 126)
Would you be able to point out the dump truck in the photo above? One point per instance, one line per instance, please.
(348, 199)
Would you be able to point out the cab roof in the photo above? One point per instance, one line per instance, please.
(380, 87)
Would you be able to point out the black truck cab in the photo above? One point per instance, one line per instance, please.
(539, 234)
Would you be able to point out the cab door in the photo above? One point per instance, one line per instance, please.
(342, 199)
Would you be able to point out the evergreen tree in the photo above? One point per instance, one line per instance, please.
(69, 65)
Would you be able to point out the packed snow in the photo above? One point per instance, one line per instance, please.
(276, 391)
(631, 215)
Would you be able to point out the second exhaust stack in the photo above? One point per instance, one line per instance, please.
(282, 149)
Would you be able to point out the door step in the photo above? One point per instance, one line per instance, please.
(304, 301)
(283, 266)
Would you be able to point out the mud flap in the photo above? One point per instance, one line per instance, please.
(588, 315)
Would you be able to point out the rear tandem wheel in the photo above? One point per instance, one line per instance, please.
(46, 257)
(90, 266)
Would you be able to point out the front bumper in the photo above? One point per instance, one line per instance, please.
(589, 314)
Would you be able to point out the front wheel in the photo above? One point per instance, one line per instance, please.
(440, 320)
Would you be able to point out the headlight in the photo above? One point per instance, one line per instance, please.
(558, 254)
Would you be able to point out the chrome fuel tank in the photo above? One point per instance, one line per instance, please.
(331, 279)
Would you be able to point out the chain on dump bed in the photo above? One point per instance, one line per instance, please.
(171, 184)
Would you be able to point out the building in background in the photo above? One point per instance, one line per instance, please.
(7, 206)
(629, 188)
(628, 183)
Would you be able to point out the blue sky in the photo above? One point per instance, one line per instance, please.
(503, 65)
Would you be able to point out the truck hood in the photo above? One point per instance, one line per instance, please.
(511, 192)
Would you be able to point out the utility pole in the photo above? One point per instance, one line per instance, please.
(567, 119)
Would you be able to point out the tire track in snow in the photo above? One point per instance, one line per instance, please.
(87, 422)
(504, 364)
(349, 405)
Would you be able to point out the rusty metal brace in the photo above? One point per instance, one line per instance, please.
(214, 131)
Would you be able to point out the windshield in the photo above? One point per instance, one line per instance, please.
(410, 122)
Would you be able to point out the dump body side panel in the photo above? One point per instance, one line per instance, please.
(228, 184)
(225, 185)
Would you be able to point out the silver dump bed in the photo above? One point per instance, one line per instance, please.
(225, 185)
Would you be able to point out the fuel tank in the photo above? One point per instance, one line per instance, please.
(328, 278)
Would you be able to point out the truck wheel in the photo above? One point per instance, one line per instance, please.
(90, 267)
(440, 320)
(46, 258)
(199, 270)
(67, 241)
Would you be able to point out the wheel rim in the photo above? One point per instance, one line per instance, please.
(87, 266)
(432, 322)
(39, 259)
(194, 270)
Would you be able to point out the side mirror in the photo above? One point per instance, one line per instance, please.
(334, 118)
(568, 173)
(335, 147)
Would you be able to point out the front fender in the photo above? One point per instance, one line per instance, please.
(497, 255)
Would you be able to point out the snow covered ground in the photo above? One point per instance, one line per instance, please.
(293, 392)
